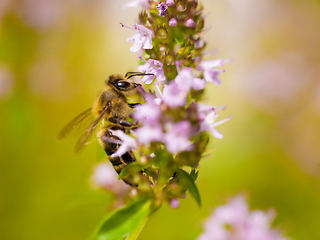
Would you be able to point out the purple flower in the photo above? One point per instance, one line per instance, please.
(176, 93)
(162, 8)
(208, 122)
(210, 70)
(154, 67)
(186, 80)
(172, 22)
(148, 113)
(148, 133)
(177, 136)
(203, 110)
(173, 96)
(198, 84)
(189, 23)
(241, 223)
(106, 177)
(127, 143)
(142, 38)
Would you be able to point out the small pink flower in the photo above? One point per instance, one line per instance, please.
(142, 38)
(173, 96)
(172, 22)
(242, 224)
(189, 23)
(198, 84)
(177, 136)
(127, 143)
(148, 133)
(210, 70)
(162, 8)
(148, 113)
(206, 108)
(106, 177)
(186, 80)
(152, 67)
(209, 124)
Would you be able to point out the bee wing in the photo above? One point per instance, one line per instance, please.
(65, 132)
(86, 136)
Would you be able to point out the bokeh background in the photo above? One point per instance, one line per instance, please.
(54, 58)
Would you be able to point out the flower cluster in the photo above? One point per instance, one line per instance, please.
(168, 120)
(235, 221)
(172, 125)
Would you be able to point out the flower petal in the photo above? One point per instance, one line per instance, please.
(136, 46)
(198, 83)
(216, 133)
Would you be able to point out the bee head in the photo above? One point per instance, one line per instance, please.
(121, 84)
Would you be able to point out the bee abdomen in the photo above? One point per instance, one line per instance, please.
(109, 147)
(120, 162)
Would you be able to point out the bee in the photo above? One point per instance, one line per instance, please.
(111, 110)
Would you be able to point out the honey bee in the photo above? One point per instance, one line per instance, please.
(111, 110)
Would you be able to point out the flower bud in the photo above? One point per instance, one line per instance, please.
(174, 203)
(181, 7)
(172, 22)
(200, 25)
(162, 33)
(162, 49)
(189, 23)
(169, 60)
(170, 2)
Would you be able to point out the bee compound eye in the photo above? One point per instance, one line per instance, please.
(123, 84)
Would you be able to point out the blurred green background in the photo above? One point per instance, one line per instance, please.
(54, 58)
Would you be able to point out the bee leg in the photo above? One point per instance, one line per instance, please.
(123, 123)
(133, 105)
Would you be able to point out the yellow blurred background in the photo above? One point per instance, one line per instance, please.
(54, 58)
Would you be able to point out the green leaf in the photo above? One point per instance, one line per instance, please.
(190, 185)
(126, 223)
(132, 168)
(162, 158)
(178, 35)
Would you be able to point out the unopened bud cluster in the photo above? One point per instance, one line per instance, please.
(176, 26)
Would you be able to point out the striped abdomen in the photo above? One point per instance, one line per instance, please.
(118, 162)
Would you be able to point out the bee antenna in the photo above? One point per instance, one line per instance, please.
(128, 73)
(137, 74)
